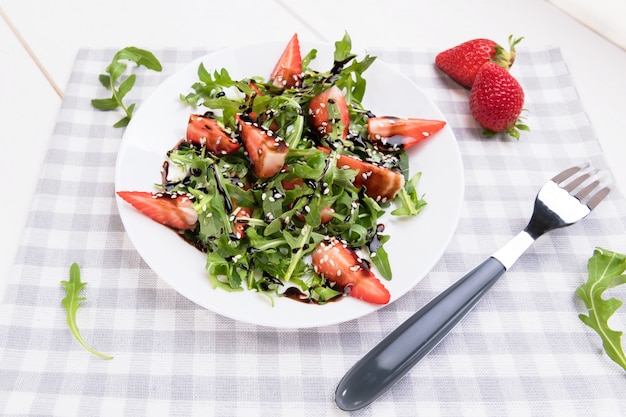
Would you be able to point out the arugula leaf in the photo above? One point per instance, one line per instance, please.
(343, 48)
(71, 304)
(606, 270)
(121, 87)
(411, 204)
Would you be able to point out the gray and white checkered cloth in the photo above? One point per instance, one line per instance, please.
(521, 352)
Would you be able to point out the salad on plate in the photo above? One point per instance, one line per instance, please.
(282, 181)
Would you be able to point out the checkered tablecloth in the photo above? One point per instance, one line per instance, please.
(521, 352)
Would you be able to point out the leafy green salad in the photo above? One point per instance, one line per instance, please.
(269, 182)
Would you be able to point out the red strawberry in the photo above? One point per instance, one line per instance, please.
(203, 130)
(241, 221)
(318, 111)
(288, 70)
(496, 101)
(382, 184)
(326, 213)
(463, 61)
(266, 150)
(340, 264)
(387, 132)
(171, 209)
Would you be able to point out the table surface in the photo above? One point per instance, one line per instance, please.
(40, 41)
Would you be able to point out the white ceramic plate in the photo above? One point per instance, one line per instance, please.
(415, 246)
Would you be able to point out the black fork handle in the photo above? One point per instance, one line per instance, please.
(395, 355)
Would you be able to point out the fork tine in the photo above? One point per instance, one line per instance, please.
(562, 176)
(573, 184)
(598, 197)
(585, 191)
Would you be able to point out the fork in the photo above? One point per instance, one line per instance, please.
(565, 199)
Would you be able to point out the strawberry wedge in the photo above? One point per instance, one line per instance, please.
(318, 111)
(205, 131)
(288, 70)
(387, 132)
(170, 209)
(240, 223)
(266, 151)
(340, 264)
(382, 184)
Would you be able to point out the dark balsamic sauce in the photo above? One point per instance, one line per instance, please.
(295, 294)
(375, 243)
(395, 142)
(228, 204)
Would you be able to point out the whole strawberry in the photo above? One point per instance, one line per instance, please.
(463, 61)
(496, 101)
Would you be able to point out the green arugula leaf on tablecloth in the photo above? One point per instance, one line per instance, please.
(71, 302)
(606, 270)
(113, 80)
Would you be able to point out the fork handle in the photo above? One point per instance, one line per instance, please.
(395, 355)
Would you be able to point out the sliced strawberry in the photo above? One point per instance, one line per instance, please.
(340, 264)
(382, 184)
(254, 87)
(240, 224)
(266, 150)
(171, 209)
(206, 131)
(326, 213)
(387, 132)
(318, 111)
(293, 183)
(288, 70)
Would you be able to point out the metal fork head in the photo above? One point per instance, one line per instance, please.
(567, 198)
